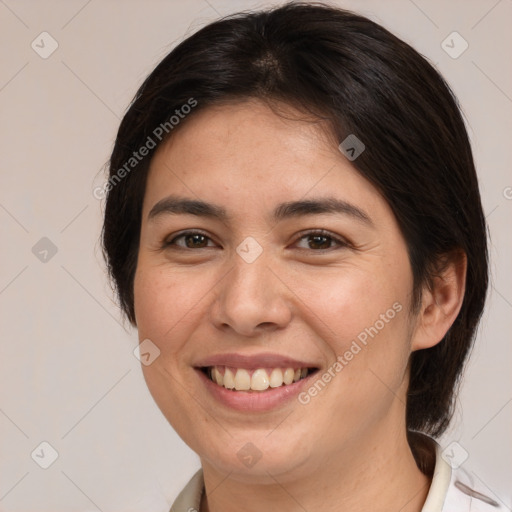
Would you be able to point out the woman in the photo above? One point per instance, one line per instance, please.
(293, 223)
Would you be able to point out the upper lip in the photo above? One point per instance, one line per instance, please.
(252, 362)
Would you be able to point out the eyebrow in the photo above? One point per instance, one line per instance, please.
(174, 205)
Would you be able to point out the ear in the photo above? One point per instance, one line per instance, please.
(441, 301)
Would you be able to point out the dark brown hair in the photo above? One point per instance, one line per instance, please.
(346, 69)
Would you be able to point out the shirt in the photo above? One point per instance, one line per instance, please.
(451, 490)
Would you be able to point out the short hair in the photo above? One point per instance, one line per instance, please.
(353, 73)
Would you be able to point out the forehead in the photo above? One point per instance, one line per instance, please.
(245, 155)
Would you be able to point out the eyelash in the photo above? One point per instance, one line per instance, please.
(319, 232)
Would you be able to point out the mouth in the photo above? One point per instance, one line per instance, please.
(258, 380)
(253, 383)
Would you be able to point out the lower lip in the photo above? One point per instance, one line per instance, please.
(254, 401)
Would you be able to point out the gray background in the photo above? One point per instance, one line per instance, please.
(68, 374)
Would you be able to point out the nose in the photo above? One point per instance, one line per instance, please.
(251, 299)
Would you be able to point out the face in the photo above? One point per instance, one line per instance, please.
(289, 265)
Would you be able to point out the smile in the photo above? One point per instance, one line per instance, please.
(253, 383)
(259, 379)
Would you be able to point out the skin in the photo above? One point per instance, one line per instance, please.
(346, 449)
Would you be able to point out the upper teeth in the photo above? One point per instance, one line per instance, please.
(260, 380)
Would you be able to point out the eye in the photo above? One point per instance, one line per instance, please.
(321, 240)
(191, 239)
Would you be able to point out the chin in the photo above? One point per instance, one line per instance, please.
(253, 456)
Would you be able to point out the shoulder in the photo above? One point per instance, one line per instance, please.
(454, 489)
(466, 494)
(189, 500)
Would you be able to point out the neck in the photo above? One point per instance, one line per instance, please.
(368, 475)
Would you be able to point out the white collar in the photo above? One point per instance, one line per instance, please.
(440, 484)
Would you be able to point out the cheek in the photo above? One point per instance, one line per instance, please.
(166, 310)
(166, 305)
(353, 303)
(362, 315)
(364, 320)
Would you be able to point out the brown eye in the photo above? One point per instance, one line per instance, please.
(320, 240)
(191, 239)
(195, 241)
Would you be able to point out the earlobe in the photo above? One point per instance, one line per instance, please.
(441, 302)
